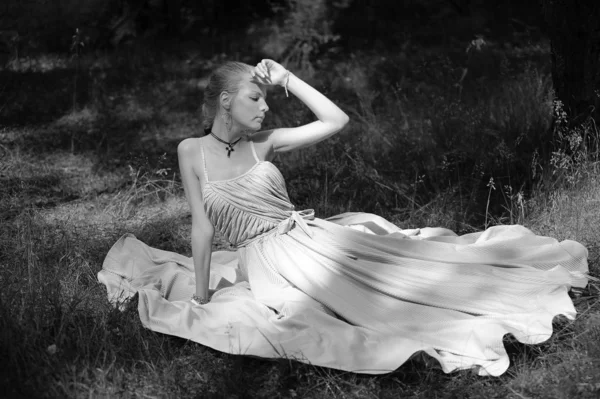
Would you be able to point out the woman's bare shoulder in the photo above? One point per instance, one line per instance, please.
(262, 144)
(187, 154)
(260, 136)
(189, 147)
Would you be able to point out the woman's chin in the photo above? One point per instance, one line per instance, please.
(251, 129)
(253, 126)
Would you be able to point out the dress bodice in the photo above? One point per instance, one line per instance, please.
(248, 205)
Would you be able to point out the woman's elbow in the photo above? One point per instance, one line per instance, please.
(203, 232)
(341, 121)
(344, 119)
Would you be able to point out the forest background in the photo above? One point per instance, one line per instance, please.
(454, 123)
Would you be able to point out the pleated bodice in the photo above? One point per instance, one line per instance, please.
(248, 205)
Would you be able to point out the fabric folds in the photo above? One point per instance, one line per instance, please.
(353, 291)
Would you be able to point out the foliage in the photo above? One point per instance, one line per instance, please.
(147, 183)
(574, 147)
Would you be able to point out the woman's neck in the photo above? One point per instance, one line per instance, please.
(220, 130)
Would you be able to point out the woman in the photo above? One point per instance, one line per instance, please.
(235, 104)
(353, 291)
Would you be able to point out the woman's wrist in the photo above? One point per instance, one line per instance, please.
(200, 300)
(286, 81)
(202, 291)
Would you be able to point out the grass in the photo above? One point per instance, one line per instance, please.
(74, 180)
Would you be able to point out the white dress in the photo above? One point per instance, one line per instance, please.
(353, 291)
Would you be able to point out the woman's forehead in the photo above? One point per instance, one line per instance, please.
(252, 85)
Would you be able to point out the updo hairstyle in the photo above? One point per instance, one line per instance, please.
(226, 77)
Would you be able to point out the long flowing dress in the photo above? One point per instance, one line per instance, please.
(353, 291)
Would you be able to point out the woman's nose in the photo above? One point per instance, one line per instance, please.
(264, 106)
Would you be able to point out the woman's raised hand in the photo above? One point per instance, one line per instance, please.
(269, 72)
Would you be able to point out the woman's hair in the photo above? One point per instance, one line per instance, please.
(226, 77)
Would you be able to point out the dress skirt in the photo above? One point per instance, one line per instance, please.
(355, 292)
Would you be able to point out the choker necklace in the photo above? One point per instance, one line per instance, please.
(229, 147)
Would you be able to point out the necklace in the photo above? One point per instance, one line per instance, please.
(229, 147)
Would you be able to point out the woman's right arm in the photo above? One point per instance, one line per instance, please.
(202, 229)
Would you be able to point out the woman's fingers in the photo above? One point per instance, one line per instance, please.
(262, 74)
(264, 69)
(257, 73)
(266, 65)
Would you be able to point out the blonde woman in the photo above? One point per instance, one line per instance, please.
(352, 291)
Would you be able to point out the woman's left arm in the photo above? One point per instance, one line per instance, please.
(331, 119)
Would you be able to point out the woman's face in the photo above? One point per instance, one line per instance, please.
(249, 106)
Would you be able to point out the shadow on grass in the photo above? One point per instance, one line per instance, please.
(59, 337)
(32, 97)
(54, 316)
(43, 191)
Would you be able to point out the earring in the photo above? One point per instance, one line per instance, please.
(227, 119)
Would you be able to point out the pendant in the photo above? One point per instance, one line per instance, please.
(229, 149)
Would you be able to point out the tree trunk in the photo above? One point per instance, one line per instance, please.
(574, 28)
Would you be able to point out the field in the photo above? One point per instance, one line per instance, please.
(88, 153)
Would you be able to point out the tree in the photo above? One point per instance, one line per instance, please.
(574, 30)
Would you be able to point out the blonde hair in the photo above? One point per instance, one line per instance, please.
(226, 77)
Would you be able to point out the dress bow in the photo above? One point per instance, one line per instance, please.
(298, 218)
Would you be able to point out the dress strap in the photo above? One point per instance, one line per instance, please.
(203, 161)
(254, 151)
